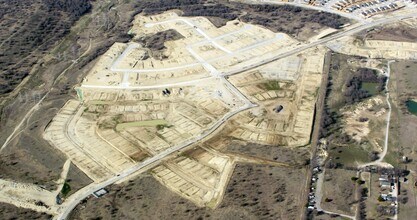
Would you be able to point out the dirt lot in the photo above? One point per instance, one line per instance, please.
(253, 192)
(10, 212)
(339, 191)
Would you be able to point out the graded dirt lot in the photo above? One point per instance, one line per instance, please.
(137, 103)
(253, 192)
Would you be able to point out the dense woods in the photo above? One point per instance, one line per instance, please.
(354, 89)
(279, 18)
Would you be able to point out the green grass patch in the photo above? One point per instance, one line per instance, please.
(66, 188)
(151, 123)
(370, 87)
(272, 85)
(349, 155)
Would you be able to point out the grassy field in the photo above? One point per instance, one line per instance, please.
(349, 155)
(372, 88)
(150, 123)
(339, 191)
(403, 141)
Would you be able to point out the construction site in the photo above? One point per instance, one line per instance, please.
(173, 111)
(133, 106)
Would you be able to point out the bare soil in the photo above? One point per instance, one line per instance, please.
(254, 192)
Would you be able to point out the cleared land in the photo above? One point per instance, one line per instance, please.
(284, 116)
(377, 49)
(150, 123)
